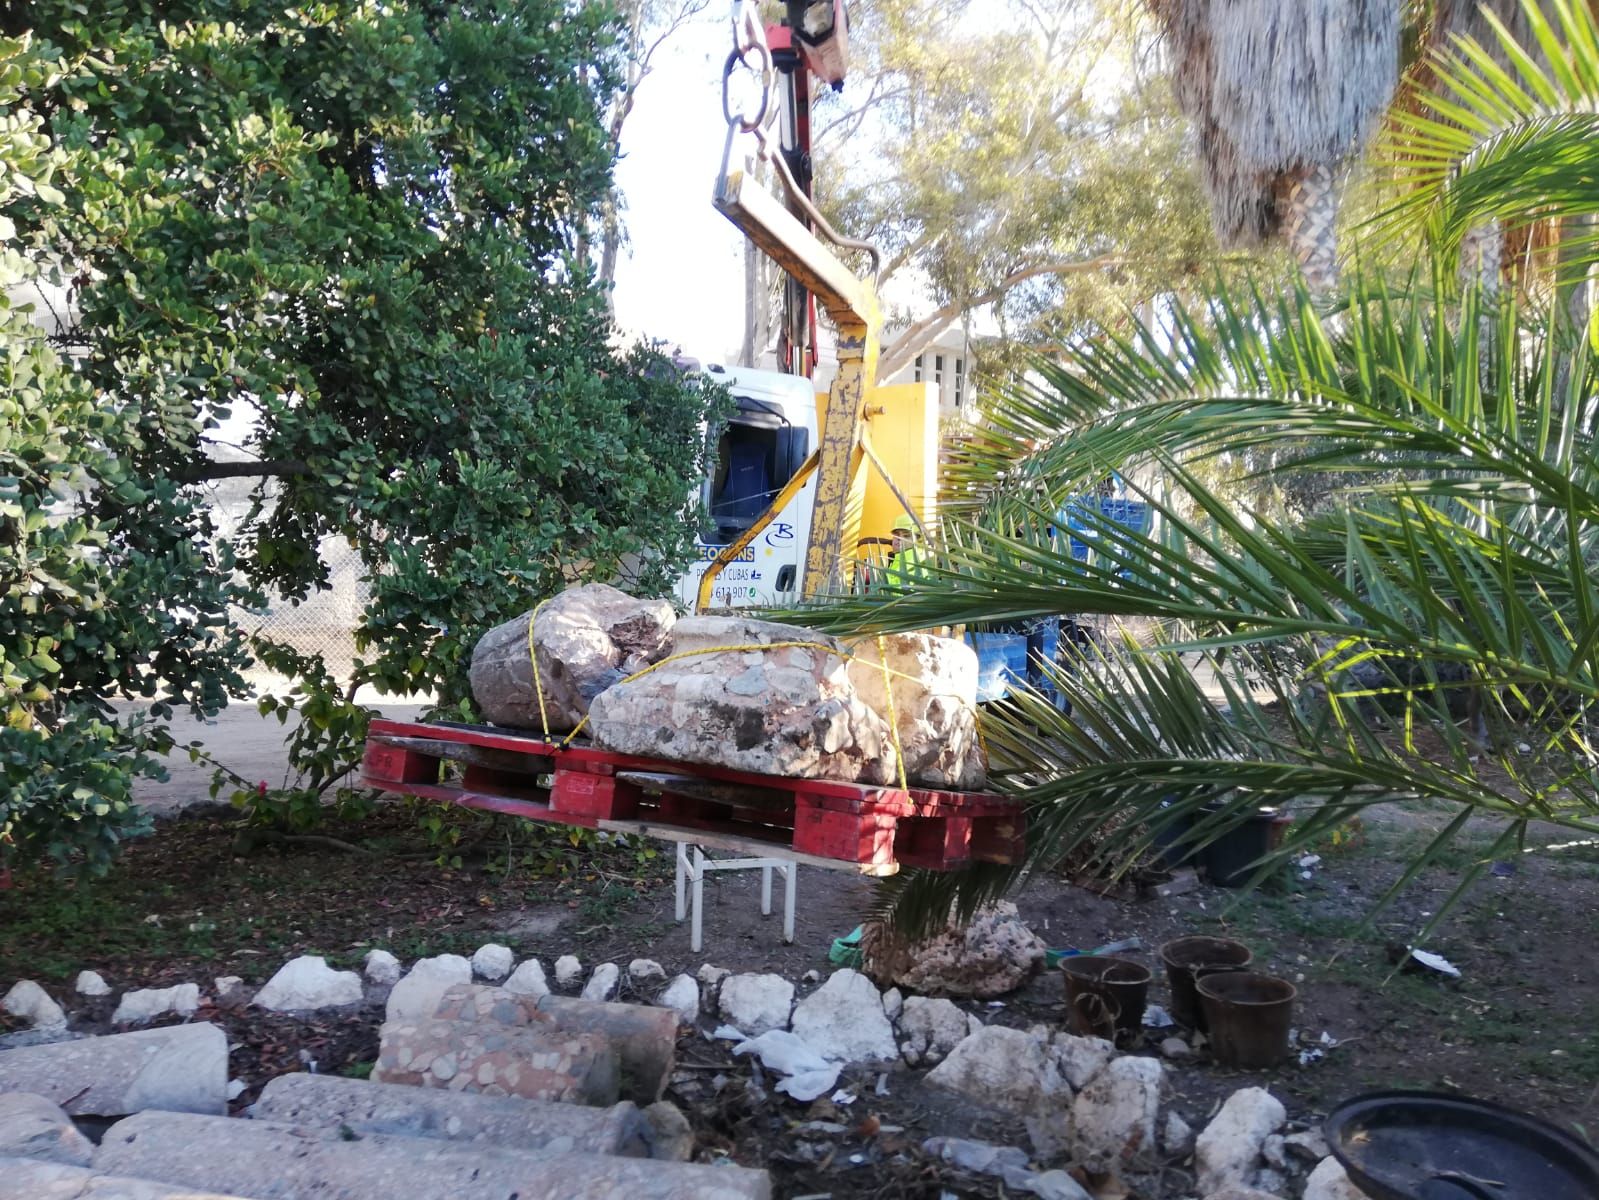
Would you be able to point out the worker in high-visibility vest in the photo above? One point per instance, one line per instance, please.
(906, 562)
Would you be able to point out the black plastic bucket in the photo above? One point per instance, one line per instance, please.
(1232, 859)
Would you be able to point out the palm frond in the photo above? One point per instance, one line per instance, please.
(1507, 132)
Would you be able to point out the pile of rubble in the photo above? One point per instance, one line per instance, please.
(552, 1080)
(491, 1093)
(734, 692)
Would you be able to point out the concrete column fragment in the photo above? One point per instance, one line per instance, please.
(182, 1068)
(330, 1104)
(268, 1161)
(535, 1062)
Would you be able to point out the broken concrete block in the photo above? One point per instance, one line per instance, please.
(183, 1068)
(34, 1127)
(587, 639)
(330, 1104)
(602, 982)
(528, 979)
(32, 1003)
(682, 995)
(787, 711)
(534, 1062)
(492, 962)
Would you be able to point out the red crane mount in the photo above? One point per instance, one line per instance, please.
(862, 827)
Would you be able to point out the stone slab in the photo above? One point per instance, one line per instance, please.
(329, 1103)
(270, 1161)
(182, 1068)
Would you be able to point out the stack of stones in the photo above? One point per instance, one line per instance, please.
(496, 1094)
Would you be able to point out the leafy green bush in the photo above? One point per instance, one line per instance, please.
(341, 229)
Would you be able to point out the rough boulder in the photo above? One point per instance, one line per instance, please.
(933, 684)
(992, 955)
(587, 638)
(786, 711)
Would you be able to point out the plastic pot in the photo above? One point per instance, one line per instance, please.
(1231, 859)
(1105, 996)
(1189, 959)
(1249, 1015)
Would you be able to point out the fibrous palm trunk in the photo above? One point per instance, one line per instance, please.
(1310, 224)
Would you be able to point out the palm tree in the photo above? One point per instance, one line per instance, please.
(1456, 595)
(1280, 95)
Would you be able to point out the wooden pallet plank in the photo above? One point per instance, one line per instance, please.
(487, 802)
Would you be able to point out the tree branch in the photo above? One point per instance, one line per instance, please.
(921, 333)
(205, 469)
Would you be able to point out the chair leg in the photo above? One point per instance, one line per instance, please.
(682, 881)
(698, 905)
(766, 891)
(789, 872)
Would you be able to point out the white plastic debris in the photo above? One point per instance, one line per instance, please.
(809, 1075)
(1436, 962)
(843, 1097)
(1156, 1017)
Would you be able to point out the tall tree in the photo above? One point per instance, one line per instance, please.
(1280, 96)
(1016, 160)
(347, 221)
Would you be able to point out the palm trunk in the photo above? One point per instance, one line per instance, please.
(1310, 225)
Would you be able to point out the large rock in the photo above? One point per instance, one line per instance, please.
(1079, 1059)
(1229, 1150)
(929, 1029)
(587, 638)
(1002, 1067)
(933, 683)
(268, 1161)
(1113, 1118)
(34, 1127)
(528, 979)
(844, 1020)
(330, 1105)
(146, 1004)
(183, 1068)
(1329, 1181)
(789, 711)
(90, 983)
(994, 954)
(417, 996)
(381, 968)
(602, 982)
(33, 1004)
(754, 1004)
(492, 962)
(306, 984)
(682, 996)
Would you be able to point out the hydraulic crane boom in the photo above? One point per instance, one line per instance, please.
(799, 239)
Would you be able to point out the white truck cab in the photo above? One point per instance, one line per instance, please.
(765, 441)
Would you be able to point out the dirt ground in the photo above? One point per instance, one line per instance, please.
(194, 901)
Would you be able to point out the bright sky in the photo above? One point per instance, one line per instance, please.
(681, 277)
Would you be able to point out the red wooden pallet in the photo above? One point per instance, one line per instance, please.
(873, 828)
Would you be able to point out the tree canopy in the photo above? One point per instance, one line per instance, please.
(344, 229)
(1035, 165)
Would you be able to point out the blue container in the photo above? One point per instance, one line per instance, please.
(1001, 663)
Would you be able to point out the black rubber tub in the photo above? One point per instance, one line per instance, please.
(1427, 1146)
